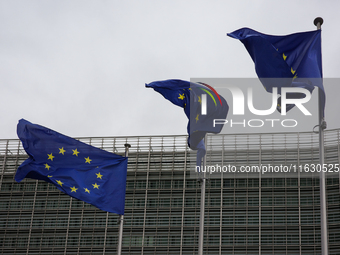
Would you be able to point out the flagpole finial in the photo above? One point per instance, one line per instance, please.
(127, 146)
(318, 22)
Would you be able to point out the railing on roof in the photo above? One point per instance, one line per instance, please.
(172, 152)
(169, 143)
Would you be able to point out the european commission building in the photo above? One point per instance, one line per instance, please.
(258, 214)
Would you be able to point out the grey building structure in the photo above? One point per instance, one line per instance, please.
(255, 214)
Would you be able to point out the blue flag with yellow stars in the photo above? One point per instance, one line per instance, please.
(80, 170)
(285, 61)
(190, 96)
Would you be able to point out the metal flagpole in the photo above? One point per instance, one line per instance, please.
(121, 217)
(202, 209)
(323, 205)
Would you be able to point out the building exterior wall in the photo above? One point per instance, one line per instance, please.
(255, 215)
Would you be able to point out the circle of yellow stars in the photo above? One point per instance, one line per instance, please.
(75, 152)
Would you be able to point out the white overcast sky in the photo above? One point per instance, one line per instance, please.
(80, 67)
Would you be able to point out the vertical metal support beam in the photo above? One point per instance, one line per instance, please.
(323, 204)
(260, 194)
(121, 217)
(221, 201)
(201, 224)
(68, 225)
(323, 201)
(202, 209)
(32, 216)
(146, 196)
(299, 197)
(80, 229)
(120, 235)
(183, 197)
(105, 233)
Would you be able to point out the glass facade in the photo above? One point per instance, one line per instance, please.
(277, 215)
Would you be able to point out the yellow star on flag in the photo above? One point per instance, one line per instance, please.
(95, 186)
(88, 160)
(86, 190)
(61, 150)
(73, 189)
(47, 166)
(197, 118)
(49, 176)
(50, 156)
(99, 175)
(60, 183)
(181, 96)
(75, 152)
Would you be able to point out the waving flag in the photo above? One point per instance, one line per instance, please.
(201, 104)
(285, 61)
(80, 170)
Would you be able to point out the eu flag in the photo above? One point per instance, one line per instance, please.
(190, 97)
(285, 61)
(80, 170)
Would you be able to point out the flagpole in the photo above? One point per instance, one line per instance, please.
(121, 217)
(202, 209)
(323, 205)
